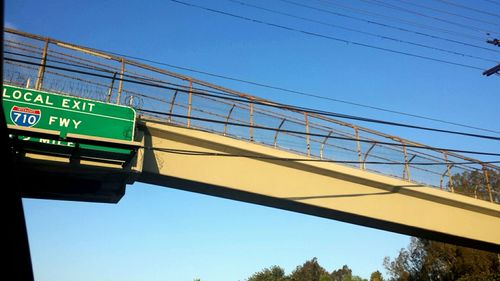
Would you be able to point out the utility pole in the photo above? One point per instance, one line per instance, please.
(495, 69)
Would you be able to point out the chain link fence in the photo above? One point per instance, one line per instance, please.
(45, 64)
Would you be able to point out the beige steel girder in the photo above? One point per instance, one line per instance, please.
(317, 188)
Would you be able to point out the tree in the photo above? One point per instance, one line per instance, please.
(356, 278)
(274, 273)
(376, 276)
(341, 274)
(474, 183)
(345, 274)
(430, 260)
(309, 271)
(325, 277)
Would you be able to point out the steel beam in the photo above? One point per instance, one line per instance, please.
(316, 188)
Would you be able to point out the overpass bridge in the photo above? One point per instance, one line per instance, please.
(192, 135)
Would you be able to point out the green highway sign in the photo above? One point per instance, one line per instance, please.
(72, 145)
(67, 114)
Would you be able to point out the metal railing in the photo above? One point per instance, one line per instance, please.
(47, 64)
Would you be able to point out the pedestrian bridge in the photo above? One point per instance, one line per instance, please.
(200, 137)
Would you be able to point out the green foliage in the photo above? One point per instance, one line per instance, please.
(430, 260)
(325, 277)
(474, 184)
(422, 259)
(356, 278)
(309, 271)
(376, 276)
(342, 274)
(274, 273)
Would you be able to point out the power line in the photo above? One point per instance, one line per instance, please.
(320, 135)
(275, 105)
(150, 80)
(395, 7)
(492, 1)
(430, 27)
(387, 25)
(361, 31)
(57, 61)
(289, 107)
(306, 94)
(447, 12)
(314, 34)
(469, 8)
(316, 96)
(262, 157)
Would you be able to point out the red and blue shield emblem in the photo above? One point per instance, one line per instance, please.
(25, 116)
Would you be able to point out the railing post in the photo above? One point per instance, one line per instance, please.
(308, 143)
(120, 84)
(41, 69)
(190, 100)
(366, 155)
(441, 180)
(251, 119)
(275, 143)
(478, 183)
(227, 118)
(448, 171)
(323, 144)
(488, 185)
(358, 146)
(171, 107)
(406, 171)
(110, 90)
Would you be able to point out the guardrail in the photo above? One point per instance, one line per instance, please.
(47, 64)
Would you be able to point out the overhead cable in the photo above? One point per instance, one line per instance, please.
(303, 93)
(363, 32)
(395, 7)
(493, 2)
(440, 149)
(388, 25)
(286, 159)
(275, 105)
(413, 3)
(268, 104)
(306, 93)
(469, 8)
(391, 18)
(318, 35)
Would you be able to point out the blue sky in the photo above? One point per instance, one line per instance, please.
(157, 233)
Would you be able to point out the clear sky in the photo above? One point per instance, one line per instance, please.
(157, 233)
